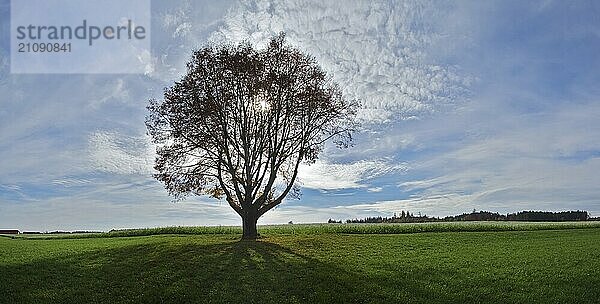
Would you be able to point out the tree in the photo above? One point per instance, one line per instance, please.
(240, 122)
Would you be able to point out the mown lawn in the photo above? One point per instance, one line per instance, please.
(549, 266)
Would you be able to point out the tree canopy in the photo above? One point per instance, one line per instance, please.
(241, 121)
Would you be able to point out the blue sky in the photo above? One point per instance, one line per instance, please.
(487, 105)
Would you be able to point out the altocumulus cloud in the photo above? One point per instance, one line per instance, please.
(121, 154)
(375, 50)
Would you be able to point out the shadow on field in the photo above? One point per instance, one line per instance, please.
(162, 272)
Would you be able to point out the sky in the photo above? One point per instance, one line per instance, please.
(486, 105)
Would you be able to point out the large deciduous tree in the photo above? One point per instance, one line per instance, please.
(240, 122)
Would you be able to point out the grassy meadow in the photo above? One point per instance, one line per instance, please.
(479, 263)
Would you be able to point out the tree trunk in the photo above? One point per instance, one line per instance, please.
(249, 226)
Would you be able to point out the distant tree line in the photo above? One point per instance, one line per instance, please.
(527, 216)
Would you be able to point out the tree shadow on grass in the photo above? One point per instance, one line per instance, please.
(164, 272)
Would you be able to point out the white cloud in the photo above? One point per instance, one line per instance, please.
(71, 182)
(113, 91)
(435, 205)
(183, 27)
(120, 154)
(376, 50)
(326, 176)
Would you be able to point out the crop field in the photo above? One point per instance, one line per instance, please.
(336, 263)
(312, 229)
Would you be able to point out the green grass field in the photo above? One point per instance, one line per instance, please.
(309, 264)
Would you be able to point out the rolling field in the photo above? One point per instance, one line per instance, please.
(308, 264)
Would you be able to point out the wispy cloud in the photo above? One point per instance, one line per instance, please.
(121, 154)
(343, 176)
